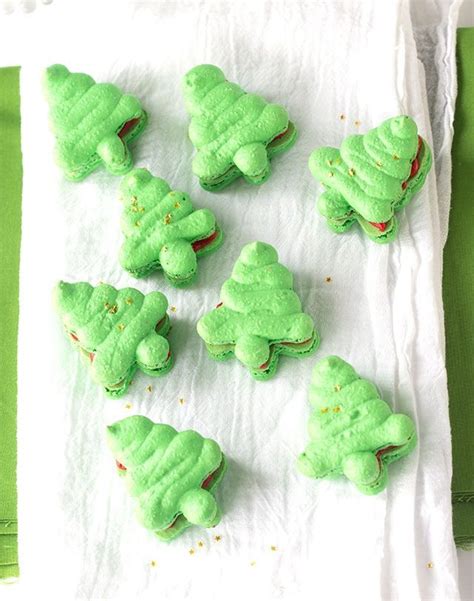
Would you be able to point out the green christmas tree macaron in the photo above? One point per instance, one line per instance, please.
(235, 134)
(353, 432)
(259, 316)
(118, 331)
(371, 177)
(162, 229)
(172, 475)
(92, 122)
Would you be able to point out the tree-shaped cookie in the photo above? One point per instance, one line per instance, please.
(118, 331)
(234, 133)
(171, 474)
(162, 229)
(92, 122)
(259, 316)
(353, 432)
(372, 176)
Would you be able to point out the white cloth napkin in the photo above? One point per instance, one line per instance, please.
(283, 535)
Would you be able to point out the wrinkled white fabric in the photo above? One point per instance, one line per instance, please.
(382, 312)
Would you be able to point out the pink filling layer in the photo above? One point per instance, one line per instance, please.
(199, 244)
(415, 167)
(127, 127)
(290, 344)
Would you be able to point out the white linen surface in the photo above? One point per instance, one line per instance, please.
(382, 312)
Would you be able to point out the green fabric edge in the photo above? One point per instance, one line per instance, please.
(10, 233)
(458, 292)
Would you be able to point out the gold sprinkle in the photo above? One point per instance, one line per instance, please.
(352, 172)
(329, 162)
(134, 200)
(200, 544)
(342, 117)
(107, 306)
(138, 223)
(134, 209)
(173, 309)
(181, 401)
(142, 209)
(153, 563)
(337, 388)
(330, 174)
(177, 205)
(149, 388)
(274, 548)
(337, 409)
(357, 123)
(191, 551)
(429, 565)
(324, 410)
(218, 538)
(167, 219)
(113, 309)
(328, 280)
(378, 164)
(395, 157)
(121, 327)
(129, 301)
(253, 563)
(128, 405)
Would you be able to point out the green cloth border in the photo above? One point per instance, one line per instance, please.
(458, 293)
(10, 233)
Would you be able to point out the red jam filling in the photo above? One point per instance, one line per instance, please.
(120, 466)
(219, 305)
(127, 127)
(208, 481)
(199, 244)
(280, 135)
(384, 451)
(91, 357)
(415, 165)
(290, 344)
(266, 364)
(380, 226)
(295, 344)
(159, 324)
(74, 337)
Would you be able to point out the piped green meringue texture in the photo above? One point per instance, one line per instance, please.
(116, 330)
(86, 118)
(349, 427)
(363, 179)
(165, 472)
(233, 132)
(259, 315)
(160, 225)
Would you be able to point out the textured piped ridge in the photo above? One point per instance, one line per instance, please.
(234, 132)
(162, 229)
(352, 430)
(171, 474)
(260, 316)
(372, 176)
(118, 331)
(92, 122)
